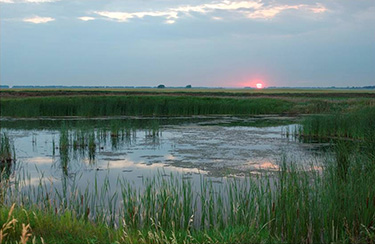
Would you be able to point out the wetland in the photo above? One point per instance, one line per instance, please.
(193, 169)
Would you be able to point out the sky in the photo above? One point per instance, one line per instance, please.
(224, 43)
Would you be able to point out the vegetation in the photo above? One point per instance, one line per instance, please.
(179, 102)
(329, 203)
(217, 92)
(44, 227)
(7, 157)
(7, 152)
(138, 105)
(293, 205)
(358, 124)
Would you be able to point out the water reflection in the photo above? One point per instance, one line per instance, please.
(192, 148)
(265, 166)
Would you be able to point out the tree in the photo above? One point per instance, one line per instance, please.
(188, 86)
(161, 86)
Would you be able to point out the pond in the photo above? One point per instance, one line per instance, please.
(137, 147)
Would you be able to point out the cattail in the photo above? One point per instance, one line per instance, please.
(273, 207)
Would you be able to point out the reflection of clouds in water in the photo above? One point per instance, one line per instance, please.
(35, 181)
(40, 160)
(211, 148)
(263, 165)
(268, 166)
(170, 157)
(120, 164)
(188, 170)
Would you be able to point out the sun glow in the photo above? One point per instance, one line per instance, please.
(259, 85)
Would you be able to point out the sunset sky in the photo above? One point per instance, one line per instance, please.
(203, 43)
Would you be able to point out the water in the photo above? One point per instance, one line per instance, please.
(214, 147)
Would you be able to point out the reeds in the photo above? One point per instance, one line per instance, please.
(7, 159)
(92, 106)
(332, 203)
(7, 152)
(293, 205)
(357, 125)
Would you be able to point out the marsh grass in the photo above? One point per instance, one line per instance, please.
(293, 205)
(7, 157)
(86, 142)
(92, 106)
(7, 152)
(332, 203)
(80, 143)
(357, 124)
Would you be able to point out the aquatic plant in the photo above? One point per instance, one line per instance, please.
(7, 152)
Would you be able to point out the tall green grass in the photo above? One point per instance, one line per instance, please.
(329, 203)
(319, 205)
(138, 105)
(357, 124)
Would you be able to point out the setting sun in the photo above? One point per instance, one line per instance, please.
(259, 85)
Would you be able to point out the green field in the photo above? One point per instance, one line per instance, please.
(332, 203)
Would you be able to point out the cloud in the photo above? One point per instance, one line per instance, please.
(253, 9)
(216, 18)
(170, 21)
(38, 20)
(318, 9)
(125, 16)
(39, 1)
(86, 18)
(224, 5)
(270, 12)
(28, 1)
